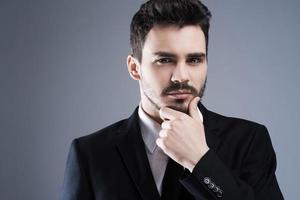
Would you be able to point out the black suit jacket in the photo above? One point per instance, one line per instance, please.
(112, 164)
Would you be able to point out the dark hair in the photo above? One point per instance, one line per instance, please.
(166, 12)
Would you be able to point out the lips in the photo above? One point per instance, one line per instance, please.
(180, 94)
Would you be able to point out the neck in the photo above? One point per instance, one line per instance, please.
(151, 110)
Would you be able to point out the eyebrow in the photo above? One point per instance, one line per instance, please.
(190, 55)
(193, 55)
(164, 54)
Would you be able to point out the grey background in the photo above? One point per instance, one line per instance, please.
(63, 75)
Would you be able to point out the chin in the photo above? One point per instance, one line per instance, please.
(180, 105)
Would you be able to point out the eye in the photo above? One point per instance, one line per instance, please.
(195, 60)
(164, 61)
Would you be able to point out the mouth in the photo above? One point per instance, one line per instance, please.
(180, 94)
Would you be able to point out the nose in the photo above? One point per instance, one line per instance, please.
(180, 74)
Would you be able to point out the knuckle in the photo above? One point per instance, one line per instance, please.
(166, 125)
(176, 123)
(160, 133)
(170, 125)
(163, 133)
(181, 118)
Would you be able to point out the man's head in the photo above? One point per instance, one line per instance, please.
(169, 45)
(166, 12)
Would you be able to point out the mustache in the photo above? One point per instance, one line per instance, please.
(179, 86)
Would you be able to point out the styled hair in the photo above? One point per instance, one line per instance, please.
(166, 12)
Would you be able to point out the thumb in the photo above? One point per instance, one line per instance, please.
(194, 111)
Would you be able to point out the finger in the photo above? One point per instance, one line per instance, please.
(166, 125)
(166, 113)
(159, 142)
(163, 133)
(194, 112)
(200, 114)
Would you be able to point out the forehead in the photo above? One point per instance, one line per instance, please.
(174, 39)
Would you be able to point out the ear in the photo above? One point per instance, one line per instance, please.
(133, 67)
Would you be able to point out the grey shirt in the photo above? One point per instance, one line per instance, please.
(157, 158)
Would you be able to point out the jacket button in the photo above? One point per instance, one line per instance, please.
(216, 189)
(207, 180)
(219, 193)
(211, 185)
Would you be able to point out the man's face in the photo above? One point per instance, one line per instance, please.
(174, 66)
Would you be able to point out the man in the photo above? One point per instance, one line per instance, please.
(172, 147)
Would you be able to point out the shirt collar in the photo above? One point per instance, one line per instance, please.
(149, 129)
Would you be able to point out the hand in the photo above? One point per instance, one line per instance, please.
(182, 136)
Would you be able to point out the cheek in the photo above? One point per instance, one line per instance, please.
(157, 77)
(198, 75)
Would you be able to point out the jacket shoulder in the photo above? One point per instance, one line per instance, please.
(103, 137)
(238, 131)
(234, 122)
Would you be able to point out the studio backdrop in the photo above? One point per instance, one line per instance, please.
(63, 75)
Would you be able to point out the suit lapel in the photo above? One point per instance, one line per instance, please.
(132, 150)
(211, 127)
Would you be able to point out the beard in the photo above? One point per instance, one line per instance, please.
(178, 104)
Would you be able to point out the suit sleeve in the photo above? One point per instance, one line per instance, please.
(76, 185)
(212, 179)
